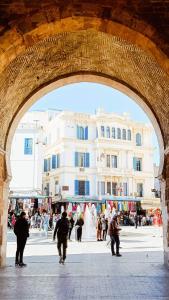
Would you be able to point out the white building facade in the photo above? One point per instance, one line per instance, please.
(97, 156)
(27, 155)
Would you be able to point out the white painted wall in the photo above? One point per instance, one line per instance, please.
(66, 123)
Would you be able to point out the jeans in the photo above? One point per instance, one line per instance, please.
(62, 243)
(115, 240)
(21, 242)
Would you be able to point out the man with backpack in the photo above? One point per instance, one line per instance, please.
(62, 228)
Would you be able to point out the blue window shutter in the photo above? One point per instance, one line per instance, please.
(86, 133)
(78, 135)
(58, 160)
(76, 187)
(134, 163)
(53, 161)
(76, 159)
(140, 164)
(87, 190)
(45, 165)
(28, 145)
(87, 160)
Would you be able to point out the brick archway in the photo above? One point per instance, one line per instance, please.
(53, 55)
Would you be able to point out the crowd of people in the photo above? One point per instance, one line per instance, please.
(62, 226)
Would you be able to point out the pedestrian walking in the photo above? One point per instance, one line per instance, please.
(79, 224)
(21, 230)
(136, 220)
(71, 224)
(104, 227)
(99, 229)
(45, 223)
(61, 229)
(114, 235)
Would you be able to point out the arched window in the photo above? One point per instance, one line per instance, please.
(129, 134)
(118, 133)
(124, 134)
(113, 133)
(138, 139)
(108, 132)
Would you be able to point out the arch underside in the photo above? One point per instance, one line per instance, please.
(67, 50)
(83, 52)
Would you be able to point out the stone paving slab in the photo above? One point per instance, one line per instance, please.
(90, 271)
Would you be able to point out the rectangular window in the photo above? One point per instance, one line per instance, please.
(82, 187)
(102, 188)
(86, 133)
(137, 164)
(53, 161)
(139, 189)
(102, 131)
(114, 188)
(45, 169)
(28, 146)
(48, 164)
(125, 189)
(108, 161)
(82, 132)
(109, 188)
(114, 161)
(113, 133)
(82, 159)
(58, 161)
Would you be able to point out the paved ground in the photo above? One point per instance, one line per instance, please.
(90, 271)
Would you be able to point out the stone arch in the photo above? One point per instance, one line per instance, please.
(51, 57)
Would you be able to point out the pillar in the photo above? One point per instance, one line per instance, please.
(165, 208)
(3, 209)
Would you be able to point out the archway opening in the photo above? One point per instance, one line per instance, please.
(124, 119)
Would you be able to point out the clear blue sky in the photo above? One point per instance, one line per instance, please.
(87, 97)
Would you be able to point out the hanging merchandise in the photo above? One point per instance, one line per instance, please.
(111, 204)
(69, 208)
(103, 208)
(120, 206)
(98, 208)
(74, 207)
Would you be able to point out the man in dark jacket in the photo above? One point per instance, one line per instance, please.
(114, 235)
(62, 228)
(21, 230)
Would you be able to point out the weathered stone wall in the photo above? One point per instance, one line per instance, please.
(80, 52)
(42, 42)
(3, 209)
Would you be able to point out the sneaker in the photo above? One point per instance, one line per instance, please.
(118, 254)
(22, 265)
(63, 262)
(113, 253)
(60, 260)
(17, 264)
